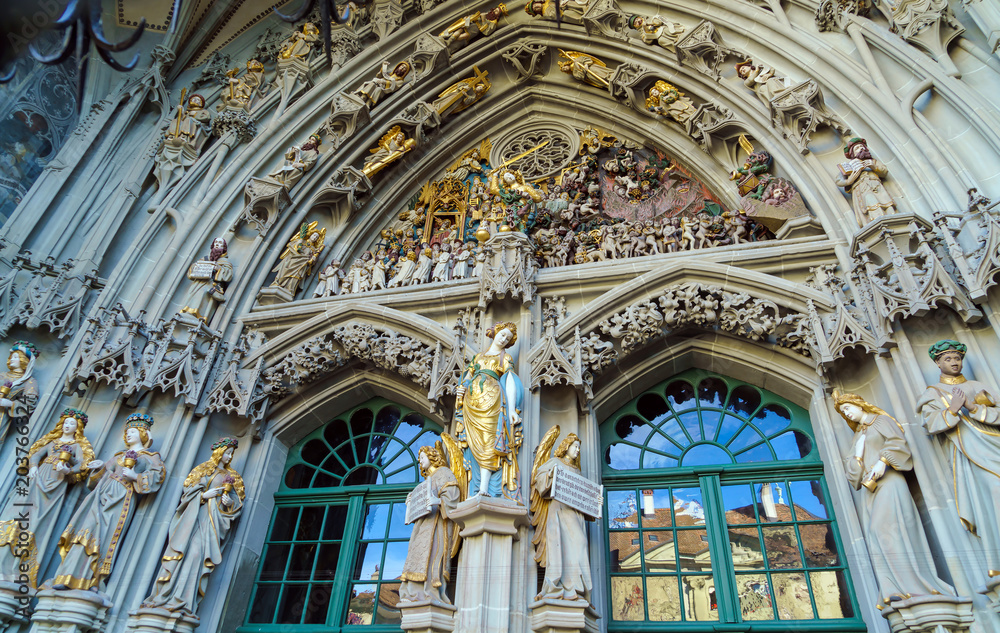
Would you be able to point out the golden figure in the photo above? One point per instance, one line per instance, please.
(300, 44)
(462, 94)
(392, 147)
(242, 90)
(666, 100)
(586, 68)
(465, 29)
(488, 415)
(298, 257)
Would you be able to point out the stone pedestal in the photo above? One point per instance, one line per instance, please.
(563, 616)
(161, 621)
(482, 587)
(427, 617)
(929, 614)
(70, 611)
(992, 592)
(15, 602)
(272, 295)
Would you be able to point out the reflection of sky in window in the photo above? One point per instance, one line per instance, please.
(808, 496)
(622, 509)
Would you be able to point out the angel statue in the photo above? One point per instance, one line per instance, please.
(488, 416)
(90, 543)
(666, 100)
(390, 149)
(586, 68)
(471, 162)
(435, 538)
(560, 538)
(298, 258)
(211, 502)
(18, 389)
(55, 461)
(462, 94)
(877, 460)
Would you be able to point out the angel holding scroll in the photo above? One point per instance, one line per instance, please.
(560, 538)
(435, 539)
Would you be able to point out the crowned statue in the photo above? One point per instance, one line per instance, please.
(18, 389)
(209, 279)
(666, 100)
(211, 501)
(90, 543)
(56, 461)
(965, 414)
(435, 538)
(894, 534)
(297, 260)
(488, 416)
(243, 91)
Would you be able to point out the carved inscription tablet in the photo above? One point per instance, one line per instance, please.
(577, 492)
(418, 502)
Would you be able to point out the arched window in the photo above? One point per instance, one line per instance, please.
(717, 511)
(336, 544)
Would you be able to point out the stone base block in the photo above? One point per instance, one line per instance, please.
(145, 620)
(563, 616)
(992, 592)
(490, 515)
(929, 614)
(70, 611)
(15, 602)
(272, 295)
(427, 617)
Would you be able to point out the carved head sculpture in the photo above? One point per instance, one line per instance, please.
(534, 7)
(196, 102)
(78, 420)
(495, 14)
(636, 22)
(69, 413)
(851, 405)
(313, 143)
(255, 66)
(569, 450)
(310, 29)
(857, 148)
(22, 357)
(140, 423)
(434, 460)
(744, 67)
(222, 453)
(501, 326)
(401, 70)
(949, 356)
(219, 248)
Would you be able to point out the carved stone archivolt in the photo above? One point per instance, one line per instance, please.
(973, 242)
(41, 293)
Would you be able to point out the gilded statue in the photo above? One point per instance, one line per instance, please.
(299, 44)
(390, 148)
(560, 537)
(470, 162)
(568, 10)
(586, 68)
(512, 197)
(298, 160)
(211, 501)
(435, 538)
(243, 91)
(90, 543)
(183, 140)
(666, 100)
(965, 414)
(462, 94)
(861, 176)
(488, 415)
(18, 388)
(209, 278)
(297, 260)
(878, 457)
(383, 84)
(465, 29)
(657, 31)
(55, 461)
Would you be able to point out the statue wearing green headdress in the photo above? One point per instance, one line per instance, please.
(965, 412)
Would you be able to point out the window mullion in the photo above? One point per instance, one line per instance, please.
(723, 571)
(348, 552)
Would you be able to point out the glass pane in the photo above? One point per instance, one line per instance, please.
(333, 464)
(624, 548)
(712, 392)
(284, 524)
(622, 457)
(808, 499)
(687, 506)
(336, 516)
(772, 418)
(782, 547)
(706, 455)
(325, 480)
(627, 601)
(744, 544)
(738, 503)
(375, 446)
(299, 476)
(830, 591)
(361, 423)
(397, 529)
(292, 605)
(346, 453)
(791, 596)
(699, 598)
(376, 516)
(326, 562)
(672, 429)
(385, 421)
(407, 475)
(710, 421)
(664, 601)
(755, 598)
(395, 556)
(622, 509)
(692, 549)
(387, 609)
(632, 428)
(300, 565)
(744, 401)
(310, 523)
(692, 424)
(364, 476)
(360, 606)
(745, 438)
(658, 552)
(656, 460)
(366, 566)
(730, 425)
(791, 445)
(759, 453)
(335, 432)
(410, 427)
(319, 603)
(264, 601)
(679, 393)
(656, 506)
(315, 451)
(818, 545)
(772, 505)
(660, 443)
(651, 407)
(275, 559)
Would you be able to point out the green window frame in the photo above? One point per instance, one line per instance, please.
(717, 514)
(336, 542)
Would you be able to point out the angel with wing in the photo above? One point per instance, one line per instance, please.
(560, 538)
(298, 258)
(435, 537)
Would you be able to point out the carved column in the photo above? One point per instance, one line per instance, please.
(15, 599)
(509, 268)
(929, 614)
(427, 617)
(70, 611)
(482, 587)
